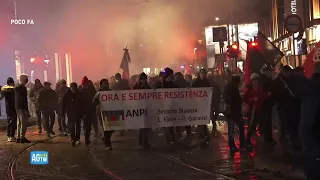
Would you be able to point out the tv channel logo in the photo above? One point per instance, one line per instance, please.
(39, 157)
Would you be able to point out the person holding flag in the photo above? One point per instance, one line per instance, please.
(255, 97)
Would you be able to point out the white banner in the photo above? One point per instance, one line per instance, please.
(148, 108)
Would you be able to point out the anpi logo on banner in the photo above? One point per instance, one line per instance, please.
(39, 157)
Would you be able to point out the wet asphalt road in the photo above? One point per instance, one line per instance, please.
(183, 161)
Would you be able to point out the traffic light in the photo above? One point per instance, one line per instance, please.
(233, 51)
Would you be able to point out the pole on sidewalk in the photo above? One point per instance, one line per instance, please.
(294, 51)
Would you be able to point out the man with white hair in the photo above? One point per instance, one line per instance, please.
(21, 104)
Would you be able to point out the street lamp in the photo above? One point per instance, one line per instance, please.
(217, 19)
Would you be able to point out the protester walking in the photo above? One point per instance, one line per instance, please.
(144, 133)
(72, 106)
(33, 98)
(233, 101)
(21, 104)
(166, 83)
(48, 103)
(88, 92)
(61, 91)
(202, 81)
(104, 86)
(7, 92)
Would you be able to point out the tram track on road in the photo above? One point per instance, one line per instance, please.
(100, 165)
(170, 158)
(177, 161)
(256, 174)
(13, 162)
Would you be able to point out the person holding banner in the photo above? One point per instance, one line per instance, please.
(104, 86)
(202, 81)
(167, 82)
(144, 132)
(181, 83)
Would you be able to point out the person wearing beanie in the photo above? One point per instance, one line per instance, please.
(48, 102)
(144, 133)
(72, 106)
(84, 81)
(255, 97)
(254, 76)
(33, 98)
(202, 81)
(21, 105)
(7, 92)
(61, 91)
(104, 86)
(166, 83)
(88, 92)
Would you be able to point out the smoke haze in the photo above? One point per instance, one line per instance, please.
(96, 31)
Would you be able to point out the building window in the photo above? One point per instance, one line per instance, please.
(316, 9)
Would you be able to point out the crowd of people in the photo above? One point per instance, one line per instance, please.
(295, 97)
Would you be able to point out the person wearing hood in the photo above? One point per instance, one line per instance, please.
(21, 105)
(233, 114)
(310, 125)
(33, 97)
(88, 92)
(7, 92)
(72, 106)
(182, 83)
(48, 102)
(202, 81)
(61, 90)
(255, 97)
(166, 83)
(104, 86)
(144, 132)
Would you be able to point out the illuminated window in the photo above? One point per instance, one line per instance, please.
(146, 70)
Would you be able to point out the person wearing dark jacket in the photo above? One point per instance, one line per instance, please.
(310, 125)
(180, 82)
(61, 90)
(167, 82)
(72, 106)
(7, 92)
(104, 86)
(21, 105)
(255, 97)
(233, 101)
(215, 103)
(144, 132)
(47, 101)
(202, 81)
(88, 92)
(33, 98)
(120, 84)
(269, 84)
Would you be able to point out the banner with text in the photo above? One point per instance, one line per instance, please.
(148, 108)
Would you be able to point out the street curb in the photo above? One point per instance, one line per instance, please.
(31, 122)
